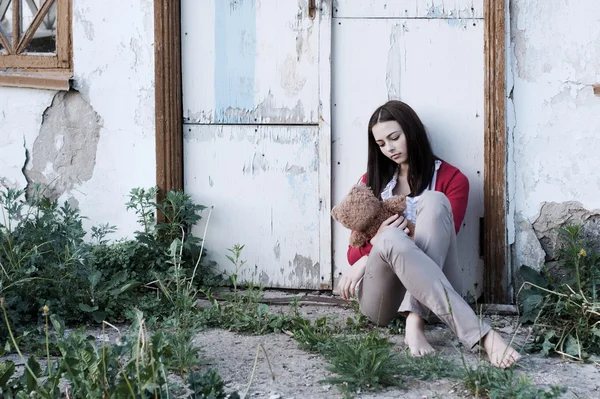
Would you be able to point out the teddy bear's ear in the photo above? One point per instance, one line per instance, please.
(357, 209)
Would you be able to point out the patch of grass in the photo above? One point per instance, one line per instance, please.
(45, 260)
(208, 385)
(397, 325)
(365, 362)
(243, 312)
(485, 381)
(246, 314)
(315, 337)
(136, 367)
(565, 309)
(358, 322)
(429, 367)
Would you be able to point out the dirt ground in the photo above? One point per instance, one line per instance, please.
(298, 373)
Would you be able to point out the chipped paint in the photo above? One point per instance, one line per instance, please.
(266, 111)
(264, 279)
(64, 153)
(270, 184)
(556, 134)
(304, 270)
(436, 11)
(409, 9)
(235, 72)
(394, 69)
(88, 150)
(553, 215)
(294, 170)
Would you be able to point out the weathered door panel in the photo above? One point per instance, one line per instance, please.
(256, 86)
(437, 9)
(436, 66)
(264, 185)
(249, 61)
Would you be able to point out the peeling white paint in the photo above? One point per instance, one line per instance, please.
(555, 56)
(557, 129)
(114, 64)
(252, 63)
(265, 191)
(434, 9)
(20, 120)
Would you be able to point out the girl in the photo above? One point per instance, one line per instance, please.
(397, 273)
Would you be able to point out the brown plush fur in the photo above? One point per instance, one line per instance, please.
(363, 213)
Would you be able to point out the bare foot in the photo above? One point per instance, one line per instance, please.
(500, 353)
(415, 336)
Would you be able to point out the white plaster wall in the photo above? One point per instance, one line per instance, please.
(554, 119)
(114, 71)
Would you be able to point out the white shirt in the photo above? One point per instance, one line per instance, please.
(411, 202)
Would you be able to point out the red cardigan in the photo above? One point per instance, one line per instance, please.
(452, 183)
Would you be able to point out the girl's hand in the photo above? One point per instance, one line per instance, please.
(347, 283)
(394, 221)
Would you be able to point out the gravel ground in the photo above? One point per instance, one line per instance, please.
(298, 374)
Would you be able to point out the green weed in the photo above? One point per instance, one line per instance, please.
(365, 362)
(315, 337)
(565, 309)
(208, 386)
(485, 381)
(135, 367)
(44, 259)
(429, 367)
(358, 322)
(243, 312)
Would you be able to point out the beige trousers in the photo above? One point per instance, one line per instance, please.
(406, 275)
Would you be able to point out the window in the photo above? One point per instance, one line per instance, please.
(35, 43)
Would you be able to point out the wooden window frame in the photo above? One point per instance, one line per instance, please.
(169, 130)
(18, 69)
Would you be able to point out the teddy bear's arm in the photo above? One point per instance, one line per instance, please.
(395, 204)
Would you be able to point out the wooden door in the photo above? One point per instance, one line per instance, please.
(429, 54)
(256, 100)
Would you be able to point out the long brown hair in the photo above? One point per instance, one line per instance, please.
(421, 160)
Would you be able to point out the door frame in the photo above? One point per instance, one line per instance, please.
(169, 132)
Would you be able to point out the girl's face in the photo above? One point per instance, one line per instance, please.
(390, 138)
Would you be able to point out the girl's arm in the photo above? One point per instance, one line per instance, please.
(354, 253)
(457, 191)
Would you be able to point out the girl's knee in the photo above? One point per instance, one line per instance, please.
(393, 238)
(434, 202)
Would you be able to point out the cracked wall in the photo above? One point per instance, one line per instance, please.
(92, 145)
(63, 154)
(554, 126)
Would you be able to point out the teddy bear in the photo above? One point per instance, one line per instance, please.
(361, 212)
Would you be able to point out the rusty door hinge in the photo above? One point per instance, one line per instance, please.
(312, 9)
